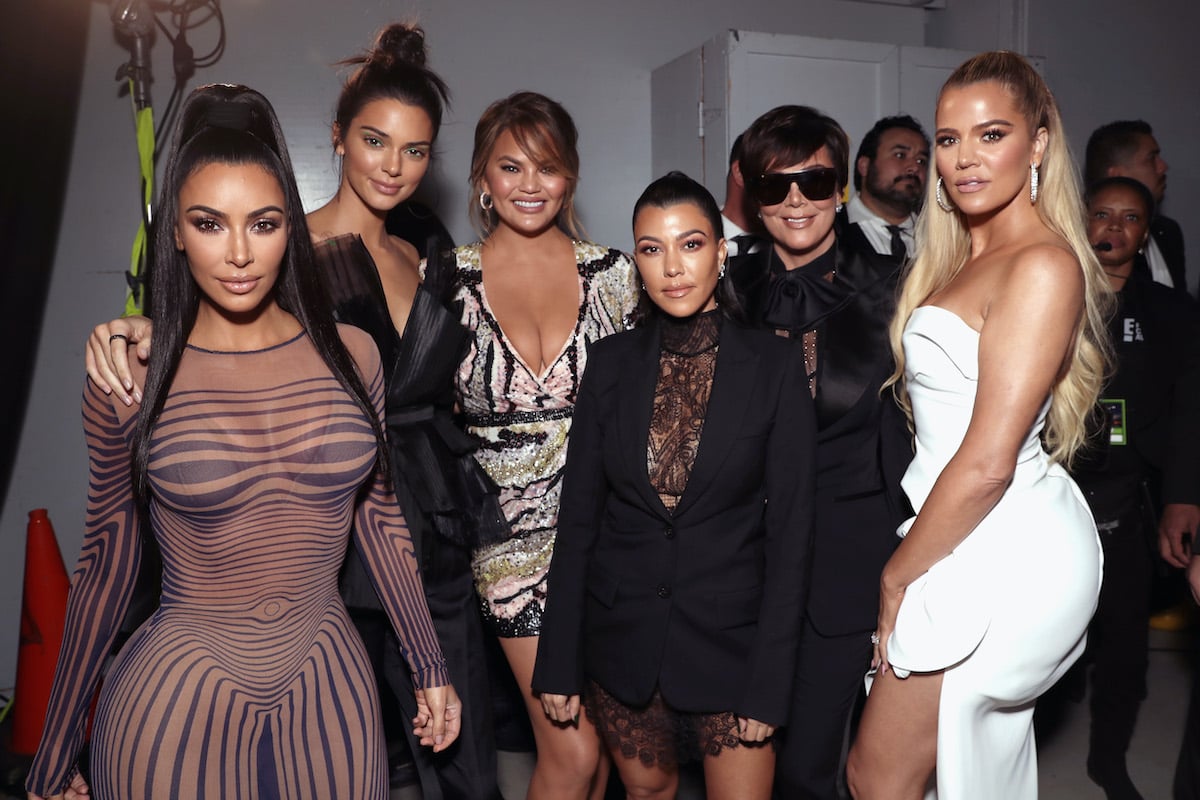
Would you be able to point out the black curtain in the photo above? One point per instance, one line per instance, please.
(42, 46)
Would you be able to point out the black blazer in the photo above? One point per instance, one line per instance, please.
(1167, 234)
(863, 444)
(704, 604)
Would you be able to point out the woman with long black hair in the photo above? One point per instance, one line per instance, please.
(256, 447)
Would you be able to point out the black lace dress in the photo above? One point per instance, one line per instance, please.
(658, 733)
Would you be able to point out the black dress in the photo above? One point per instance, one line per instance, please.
(450, 504)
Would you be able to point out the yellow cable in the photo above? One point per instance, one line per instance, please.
(144, 120)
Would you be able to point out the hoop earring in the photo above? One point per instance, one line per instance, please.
(485, 201)
(721, 271)
(1033, 184)
(941, 201)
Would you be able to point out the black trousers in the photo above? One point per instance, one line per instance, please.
(829, 680)
(1118, 643)
(1187, 768)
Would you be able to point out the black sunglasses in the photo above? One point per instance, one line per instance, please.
(818, 183)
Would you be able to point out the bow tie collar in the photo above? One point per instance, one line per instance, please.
(799, 299)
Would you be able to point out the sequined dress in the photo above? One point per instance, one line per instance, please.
(249, 680)
(521, 419)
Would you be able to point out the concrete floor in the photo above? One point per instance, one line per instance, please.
(1062, 751)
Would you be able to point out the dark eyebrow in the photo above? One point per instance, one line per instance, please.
(992, 123)
(378, 133)
(648, 238)
(210, 211)
(383, 135)
(692, 232)
(222, 215)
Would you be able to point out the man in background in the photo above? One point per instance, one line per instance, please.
(889, 184)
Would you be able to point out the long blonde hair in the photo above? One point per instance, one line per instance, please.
(944, 245)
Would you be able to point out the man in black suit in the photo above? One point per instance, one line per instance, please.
(1127, 148)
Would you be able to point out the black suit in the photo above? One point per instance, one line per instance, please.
(1167, 234)
(863, 448)
(705, 603)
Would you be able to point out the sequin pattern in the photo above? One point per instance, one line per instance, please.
(521, 420)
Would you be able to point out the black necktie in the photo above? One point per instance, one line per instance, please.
(899, 251)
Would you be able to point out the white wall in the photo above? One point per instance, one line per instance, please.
(1105, 60)
(596, 59)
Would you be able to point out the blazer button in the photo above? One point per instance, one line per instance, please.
(664, 591)
(669, 532)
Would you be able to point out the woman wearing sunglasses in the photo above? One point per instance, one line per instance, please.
(835, 299)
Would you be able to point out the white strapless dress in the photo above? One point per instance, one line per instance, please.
(1007, 612)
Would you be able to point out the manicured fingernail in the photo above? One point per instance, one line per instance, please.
(127, 384)
(137, 396)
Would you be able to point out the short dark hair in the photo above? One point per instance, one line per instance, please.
(1120, 181)
(735, 152)
(1111, 145)
(788, 135)
(675, 188)
(870, 142)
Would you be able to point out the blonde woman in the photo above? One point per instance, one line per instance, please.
(1000, 348)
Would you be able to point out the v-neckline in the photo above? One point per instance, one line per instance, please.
(507, 343)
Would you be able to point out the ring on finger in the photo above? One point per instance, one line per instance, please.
(875, 637)
(120, 336)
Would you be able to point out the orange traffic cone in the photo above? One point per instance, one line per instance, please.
(43, 612)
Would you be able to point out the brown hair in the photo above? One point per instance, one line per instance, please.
(393, 69)
(547, 134)
(788, 135)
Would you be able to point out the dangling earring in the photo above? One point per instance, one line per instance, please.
(1033, 184)
(941, 201)
(485, 201)
(721, 271)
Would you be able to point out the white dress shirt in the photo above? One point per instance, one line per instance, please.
(876, 227)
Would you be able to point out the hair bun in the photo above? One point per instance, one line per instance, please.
(399, 42)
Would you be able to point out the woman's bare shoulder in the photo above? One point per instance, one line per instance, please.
(1048, 264)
